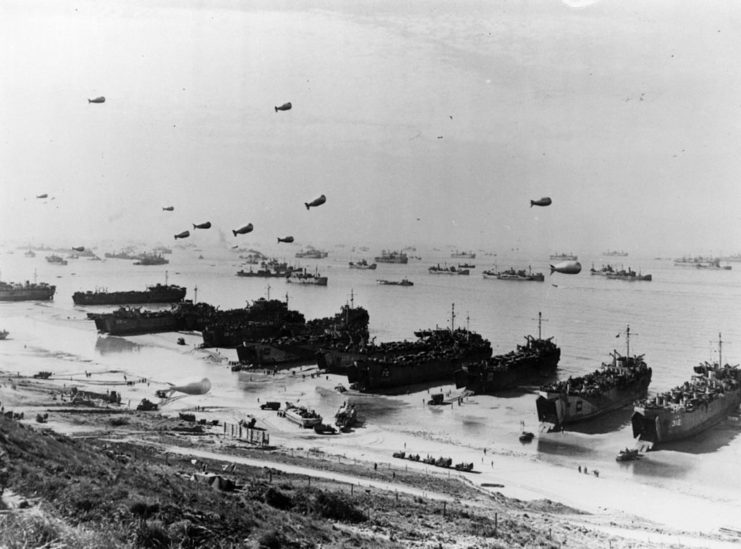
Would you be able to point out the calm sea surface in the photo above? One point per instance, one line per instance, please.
(675, 321)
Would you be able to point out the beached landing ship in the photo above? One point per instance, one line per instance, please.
(709, 397)
(263, 318)
(610, 388)
(159, 293)
(435, 356)
(346, 328)
(529, 363)
(12, 291)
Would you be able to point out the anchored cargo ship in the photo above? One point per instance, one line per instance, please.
(392, 257)
(151, 259)
(530, 362)
(312, 253)
(159, 293)
(512, 274)
(608, 271)
(564, 257)
(463, 255)
(306, 278)
(609, 388)
(13, 291)
(712, 393)
(56, 259)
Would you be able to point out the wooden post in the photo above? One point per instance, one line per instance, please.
(352, 489)
(496, 523)
(444, 504)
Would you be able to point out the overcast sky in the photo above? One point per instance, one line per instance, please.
(424, 122)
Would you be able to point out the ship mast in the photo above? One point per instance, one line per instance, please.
(540, 321)
(627, 341)
(195, 297)
(268, 291)
(720, 351)
(165, 278)
(286, 300)
(452, 317)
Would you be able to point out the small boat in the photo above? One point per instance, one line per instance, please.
(402, 282)
(527, 436)
(362, 264)
(3, 334)
(629, 454)
(437, 269)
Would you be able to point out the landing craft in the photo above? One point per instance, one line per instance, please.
(78, 248)
(287, 239)
(316, 202)
(566, 267)
(545, 201)
(184, 234)
(100, 99)
(42, 196)
(243, 230)
(206, 225)
(168, 208)
(284, 107)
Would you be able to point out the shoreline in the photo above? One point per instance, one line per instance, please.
(359, 462)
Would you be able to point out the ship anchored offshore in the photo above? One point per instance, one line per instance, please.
(712, 393)
(609, 388)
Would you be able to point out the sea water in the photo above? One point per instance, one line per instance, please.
(674, 322)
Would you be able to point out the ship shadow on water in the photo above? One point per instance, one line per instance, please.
(555, 445)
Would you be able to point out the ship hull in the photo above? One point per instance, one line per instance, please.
(42, 294)
(337, 362)
(563, 409)
(136, 326)
(314, 281)
(662, 425)
(172, 295)
(267, 354)
(520, 370)
(373, 375)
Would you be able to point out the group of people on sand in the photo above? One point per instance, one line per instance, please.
(586, 471)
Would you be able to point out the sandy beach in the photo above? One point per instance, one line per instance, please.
(505, 479)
